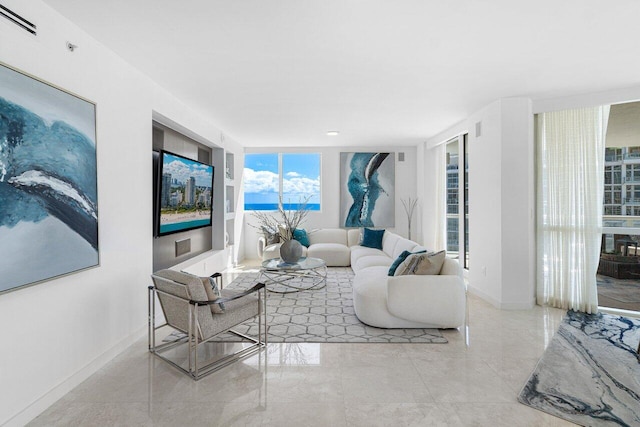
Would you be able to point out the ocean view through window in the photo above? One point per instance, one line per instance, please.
(295, 176)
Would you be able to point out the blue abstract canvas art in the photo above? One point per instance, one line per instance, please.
(48, 182)
(367, 196)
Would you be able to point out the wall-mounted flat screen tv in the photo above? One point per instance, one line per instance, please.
(185, 194)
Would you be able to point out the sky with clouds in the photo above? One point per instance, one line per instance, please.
(182, 169)
(301, 178)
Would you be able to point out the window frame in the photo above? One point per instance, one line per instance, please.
(281, 177)
(459, 194)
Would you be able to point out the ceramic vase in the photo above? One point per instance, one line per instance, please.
(291, 251)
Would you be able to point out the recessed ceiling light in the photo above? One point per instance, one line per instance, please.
(333, 133)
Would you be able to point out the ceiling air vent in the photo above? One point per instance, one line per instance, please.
(18, 20)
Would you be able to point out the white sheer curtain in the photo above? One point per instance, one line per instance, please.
(570, 185)
(440, 157)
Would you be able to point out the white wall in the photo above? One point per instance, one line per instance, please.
(63, 330)
(329, 217)
(485, 202)
(518, 204)
(501, 234)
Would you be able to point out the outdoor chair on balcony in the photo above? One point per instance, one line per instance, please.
(625, 243)
(192, 306)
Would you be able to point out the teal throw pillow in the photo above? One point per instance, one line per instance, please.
(372, 238)
(400, 260)
(300, 234)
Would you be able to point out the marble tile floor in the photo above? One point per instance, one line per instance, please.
(473, 380)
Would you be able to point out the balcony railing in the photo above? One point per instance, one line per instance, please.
(613, 158)
(631, 179)
(621, 221)
(632, 156)
(630, 201)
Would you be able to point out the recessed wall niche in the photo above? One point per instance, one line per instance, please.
(200, 240)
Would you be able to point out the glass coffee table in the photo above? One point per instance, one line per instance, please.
(283, 278)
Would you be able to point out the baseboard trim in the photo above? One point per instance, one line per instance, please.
(499, 304)
(475, 291)
(42, 403)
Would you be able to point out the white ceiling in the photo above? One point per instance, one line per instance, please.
(283, 72)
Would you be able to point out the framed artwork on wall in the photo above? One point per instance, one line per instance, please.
(48, 181)
(367, 189)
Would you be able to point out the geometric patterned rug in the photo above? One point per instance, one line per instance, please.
(324, 315)
(590, 372)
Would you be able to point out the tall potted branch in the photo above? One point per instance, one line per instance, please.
(409, 207)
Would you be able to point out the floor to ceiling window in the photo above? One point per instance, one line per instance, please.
(569, 191)
(457, 212)
(570, 145)
(619, 266)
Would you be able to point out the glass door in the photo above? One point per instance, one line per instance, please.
(619, 266)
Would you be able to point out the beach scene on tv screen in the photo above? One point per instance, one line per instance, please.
(185, 199)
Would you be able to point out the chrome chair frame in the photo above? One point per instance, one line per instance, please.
(195, 370)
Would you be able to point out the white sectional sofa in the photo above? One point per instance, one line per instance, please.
(333, 245)
(380, 300)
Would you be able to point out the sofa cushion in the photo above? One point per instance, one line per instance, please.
(372, 261)
(403, 245)
(358, 252)
(372, 238)
(328, 235)
(389, 243)
(300, 234)
(435, 300)
(451, 267)
(333, 254)
(353, 237)
(422, 264)
(396, 263)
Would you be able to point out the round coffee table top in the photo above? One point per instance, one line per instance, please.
(304, 263)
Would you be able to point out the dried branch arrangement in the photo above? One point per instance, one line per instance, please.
(409, 208)
(284, 221)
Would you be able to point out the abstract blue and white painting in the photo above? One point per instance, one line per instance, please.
(48, 182)
(367, 194)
